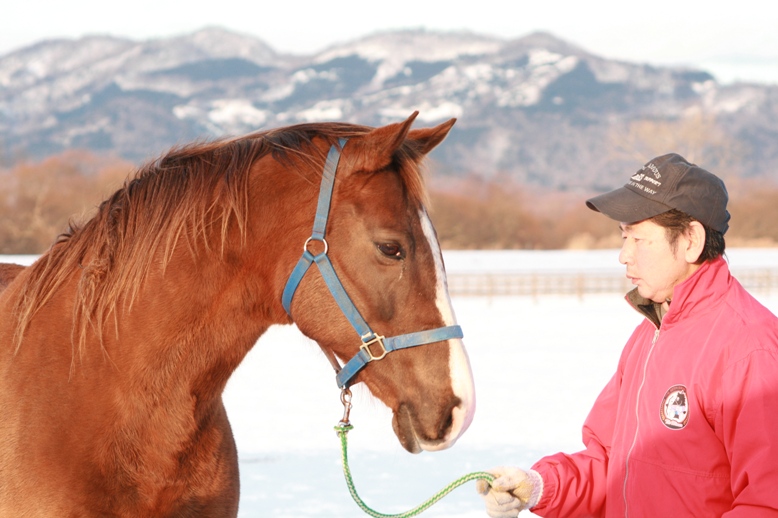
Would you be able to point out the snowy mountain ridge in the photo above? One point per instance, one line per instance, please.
(533, 108)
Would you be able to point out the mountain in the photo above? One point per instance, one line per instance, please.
(536, 109)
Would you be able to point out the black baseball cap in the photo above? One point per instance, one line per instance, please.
(668, 182)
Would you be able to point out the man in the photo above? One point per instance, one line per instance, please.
(688, 425)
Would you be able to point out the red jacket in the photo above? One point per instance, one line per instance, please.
(688, 425)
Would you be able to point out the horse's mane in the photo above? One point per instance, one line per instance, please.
(182, 194)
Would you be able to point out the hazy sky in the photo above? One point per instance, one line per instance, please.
(733, 40)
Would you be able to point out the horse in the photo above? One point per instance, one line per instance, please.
(117, 343)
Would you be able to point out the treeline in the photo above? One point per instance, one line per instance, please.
(38, 200)
(498, 215)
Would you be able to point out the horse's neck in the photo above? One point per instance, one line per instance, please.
(190, 326)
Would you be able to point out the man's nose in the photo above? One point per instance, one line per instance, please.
(625, 255)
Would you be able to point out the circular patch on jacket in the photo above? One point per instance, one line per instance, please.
(674, 411)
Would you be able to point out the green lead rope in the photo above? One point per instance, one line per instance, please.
(343, 429)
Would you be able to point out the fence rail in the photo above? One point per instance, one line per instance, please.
(533, 284)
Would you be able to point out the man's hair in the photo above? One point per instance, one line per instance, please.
(676, 223)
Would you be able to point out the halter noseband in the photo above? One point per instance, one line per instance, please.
(374, 346)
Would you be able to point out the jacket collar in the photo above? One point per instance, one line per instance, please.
(700, 292)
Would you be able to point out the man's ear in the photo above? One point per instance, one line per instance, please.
(696, 242)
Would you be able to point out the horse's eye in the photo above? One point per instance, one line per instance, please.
(392, 250)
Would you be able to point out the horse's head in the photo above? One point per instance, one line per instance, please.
(385, 252)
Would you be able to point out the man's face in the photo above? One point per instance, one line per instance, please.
(652, 263)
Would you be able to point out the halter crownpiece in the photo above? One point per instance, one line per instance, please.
(374, 347)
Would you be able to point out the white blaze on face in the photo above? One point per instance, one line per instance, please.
(459, 363)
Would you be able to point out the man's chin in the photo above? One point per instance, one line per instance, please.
(646, 294)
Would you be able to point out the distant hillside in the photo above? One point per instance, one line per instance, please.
(536, 109)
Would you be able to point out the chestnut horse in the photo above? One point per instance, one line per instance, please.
(116, 344)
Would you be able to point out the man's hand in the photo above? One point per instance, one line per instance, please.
(513, 490)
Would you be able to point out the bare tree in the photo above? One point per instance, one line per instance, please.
(38, 200)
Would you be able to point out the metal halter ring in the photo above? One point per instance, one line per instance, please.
(326, 246)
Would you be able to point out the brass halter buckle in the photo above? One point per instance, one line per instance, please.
(377, 339)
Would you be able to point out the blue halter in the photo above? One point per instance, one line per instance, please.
(374, 346)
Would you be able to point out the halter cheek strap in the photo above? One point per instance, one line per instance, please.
(374, 347)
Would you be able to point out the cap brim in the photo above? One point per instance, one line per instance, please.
(626, 206)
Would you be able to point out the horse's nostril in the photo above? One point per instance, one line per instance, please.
(445, 426)
(448, 421)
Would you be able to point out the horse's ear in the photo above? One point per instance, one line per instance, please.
(387, 139)
(427, 138)
(384, 141)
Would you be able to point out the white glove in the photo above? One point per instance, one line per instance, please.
(513, 490)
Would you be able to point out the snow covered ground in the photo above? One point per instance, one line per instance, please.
(538, 363)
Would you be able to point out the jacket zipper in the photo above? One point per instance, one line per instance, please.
(637, 425)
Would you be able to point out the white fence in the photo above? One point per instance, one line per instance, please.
(534, 284)
(544, 275)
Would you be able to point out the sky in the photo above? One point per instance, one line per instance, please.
(736, 41)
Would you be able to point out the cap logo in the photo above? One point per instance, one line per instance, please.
(674, 410)
(646, 183)
(654, 169)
